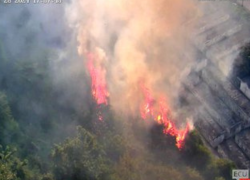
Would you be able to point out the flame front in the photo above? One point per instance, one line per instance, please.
(160, 113)
(154, 109)
(98, 81)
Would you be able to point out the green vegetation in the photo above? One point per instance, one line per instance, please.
(80, 158)
(45, 134)
(8, 126)
(209, 166)
(241, 66)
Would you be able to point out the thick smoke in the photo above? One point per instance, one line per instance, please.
(37, 37)
(145, 43)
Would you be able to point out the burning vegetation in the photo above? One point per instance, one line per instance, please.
(160, 113)
(98, 80)
(156, 110)
(98, 104)
(122, 47)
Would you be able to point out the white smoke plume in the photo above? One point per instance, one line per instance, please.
(144, 42)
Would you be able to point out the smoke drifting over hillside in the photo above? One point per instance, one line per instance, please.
(144, 42)
(139, 42)
(100, 64)
(36, 41)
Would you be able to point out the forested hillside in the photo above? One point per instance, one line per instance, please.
(48, 128)
(34, 145)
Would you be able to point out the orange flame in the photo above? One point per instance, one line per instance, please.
(98, 81)
(160, 113)
(158, 110)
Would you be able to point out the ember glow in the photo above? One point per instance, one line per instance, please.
(159, 111)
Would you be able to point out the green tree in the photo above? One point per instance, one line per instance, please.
(241, 67)
(225, 168)
(192, 174)
(144, 168)
(8, 126)
(80, 158)
(12, 168)
(198, 156)
(195, 153)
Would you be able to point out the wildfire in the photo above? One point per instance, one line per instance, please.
(159, 111)
(98, 81)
